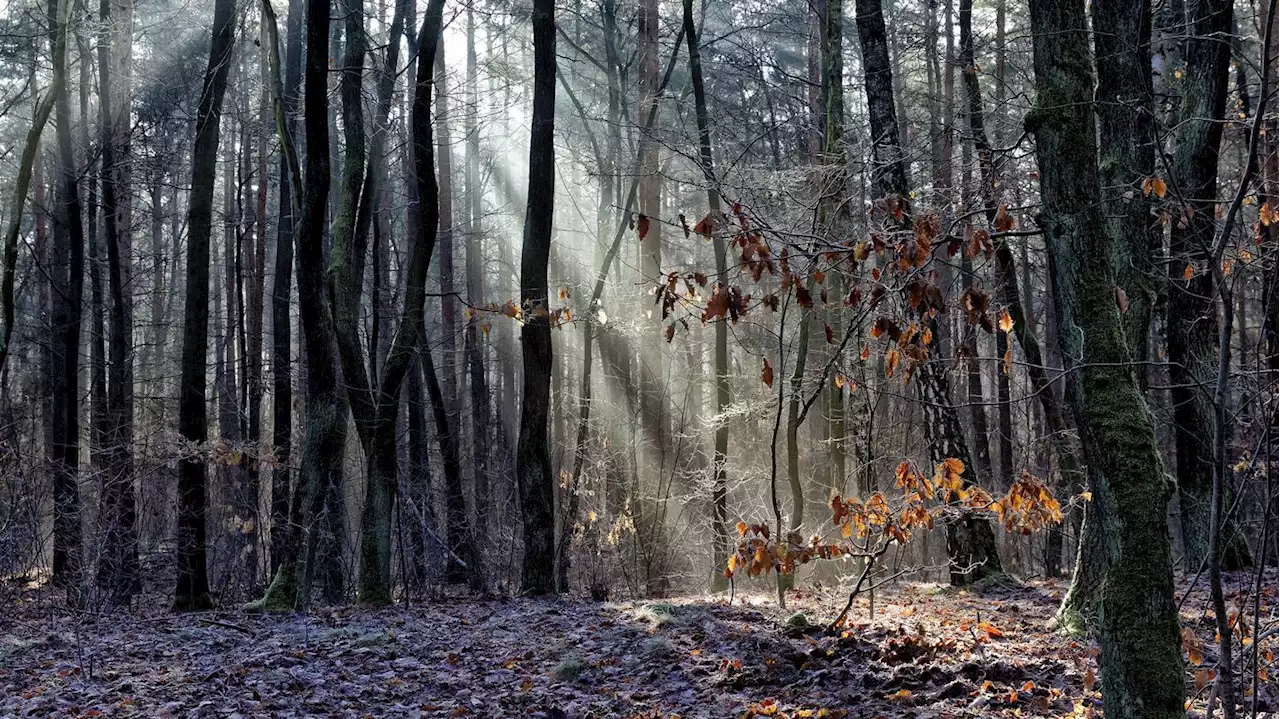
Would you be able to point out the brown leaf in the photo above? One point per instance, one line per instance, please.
(642, 226)
(766, 374)
(1003, 221)
(1122, 300)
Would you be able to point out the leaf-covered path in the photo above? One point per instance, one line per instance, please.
(931, 651)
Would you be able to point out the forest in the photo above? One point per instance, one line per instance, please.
(639, 358)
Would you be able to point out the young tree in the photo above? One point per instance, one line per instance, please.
(192, 592)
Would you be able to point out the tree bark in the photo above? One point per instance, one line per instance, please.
(533, 459)
(970, 540)
(473, 342)
(1141, 658)
(720, 527)
(282, 279)
(66, 294)
(192, 593)
(1192, 317)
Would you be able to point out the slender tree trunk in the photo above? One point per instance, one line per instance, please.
(67, 292)
(970, 540)
(281, 314)
(473, 342)
(115, 55)
(325, 412)
(719, 491)
(533, 459)
(192, 593)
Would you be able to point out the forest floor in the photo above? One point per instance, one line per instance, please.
(930, 651)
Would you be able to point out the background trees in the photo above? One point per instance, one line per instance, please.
(723, 214)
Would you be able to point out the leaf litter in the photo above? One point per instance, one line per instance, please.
(929, 651)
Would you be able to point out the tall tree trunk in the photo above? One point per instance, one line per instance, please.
(970, 539)
(834, 209)
(1141, 658)
(282, 277)
(114, 62)
(1191, 322)
(66, 291)
(325, 412)
(533, 458)
(192, 592)
(653, 415)
(473, 342)
(404, 347)
(719, 491)
(1126, 146)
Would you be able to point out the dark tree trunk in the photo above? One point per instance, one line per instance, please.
(192, 593)
(1141, 658)
(325, 412)
(66, 294)
(970, 540)
(533, 458)
(281, 314)
(720, 529)
(473, 341)
(114, 55)
(1191, 322)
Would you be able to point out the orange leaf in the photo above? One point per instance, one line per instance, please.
(1006, 321)
(742, 529)
(1188, 273)
(1003, 222)
(766, 374)
(890, 362)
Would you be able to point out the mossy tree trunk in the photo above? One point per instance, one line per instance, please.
(1141, 658)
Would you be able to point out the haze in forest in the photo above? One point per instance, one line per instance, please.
(686, 315)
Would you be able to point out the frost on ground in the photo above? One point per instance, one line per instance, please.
(929, 651)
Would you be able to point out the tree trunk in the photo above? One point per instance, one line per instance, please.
(1141, 658)
(719, 491)
(67, 292)
(970, 540)
(325, 411)
(533, 459)
(1191, 321)
(473, 341)
(115, 55)
(282, 278)
(192, 593)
